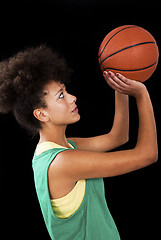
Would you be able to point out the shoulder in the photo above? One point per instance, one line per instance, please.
(78, 164)
(61, 163)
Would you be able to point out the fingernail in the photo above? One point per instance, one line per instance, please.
(105, 73)
(117, 74)
(109, 73)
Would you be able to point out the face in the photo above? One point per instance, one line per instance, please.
(61, 106)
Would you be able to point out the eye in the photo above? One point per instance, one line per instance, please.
(61, 95)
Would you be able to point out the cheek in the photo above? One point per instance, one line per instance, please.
(59, 113)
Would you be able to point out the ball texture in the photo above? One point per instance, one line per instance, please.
(130, 50)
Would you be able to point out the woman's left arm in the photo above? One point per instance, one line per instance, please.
(119, 133)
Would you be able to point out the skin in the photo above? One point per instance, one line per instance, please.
(91, 159)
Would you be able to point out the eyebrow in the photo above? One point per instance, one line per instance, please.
(61, 89)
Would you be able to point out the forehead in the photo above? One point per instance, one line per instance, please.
(53, 87)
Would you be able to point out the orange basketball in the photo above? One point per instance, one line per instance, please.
(129, 50)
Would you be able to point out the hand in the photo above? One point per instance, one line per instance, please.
(124, 85)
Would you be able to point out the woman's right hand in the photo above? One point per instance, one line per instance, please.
(124, 85)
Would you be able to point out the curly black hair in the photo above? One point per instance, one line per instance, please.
(22, 81)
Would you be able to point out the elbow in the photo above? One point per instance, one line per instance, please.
(154, 157)
(146, 156)
(121, 141)
(151, 157)
(124, 139)
(153, 154)
(119, 134)
(118, 139)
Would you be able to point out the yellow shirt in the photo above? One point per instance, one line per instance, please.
(66, 206)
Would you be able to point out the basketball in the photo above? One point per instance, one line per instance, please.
(130, 50)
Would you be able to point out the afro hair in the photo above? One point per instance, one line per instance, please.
(22, 81)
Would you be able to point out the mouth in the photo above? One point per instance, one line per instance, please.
(75, 110)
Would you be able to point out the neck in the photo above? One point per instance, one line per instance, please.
(54, 134)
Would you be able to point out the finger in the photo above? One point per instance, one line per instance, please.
(123, 78)
(122, 84)
(114, 84)
(106, 75)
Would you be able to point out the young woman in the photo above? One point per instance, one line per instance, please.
(68, 172)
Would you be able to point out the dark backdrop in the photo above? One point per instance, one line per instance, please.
(76, 29)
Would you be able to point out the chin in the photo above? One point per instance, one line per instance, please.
(75, 119)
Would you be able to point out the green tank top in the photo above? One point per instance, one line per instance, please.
(92, 221)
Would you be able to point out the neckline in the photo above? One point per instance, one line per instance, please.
(47, 145)
(54, 144)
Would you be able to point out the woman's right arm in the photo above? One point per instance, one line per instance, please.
(76, 165)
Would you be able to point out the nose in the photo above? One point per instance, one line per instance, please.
(72, 99)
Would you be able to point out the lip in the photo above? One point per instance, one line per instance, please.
(75, 110)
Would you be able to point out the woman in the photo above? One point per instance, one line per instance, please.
(68, 172)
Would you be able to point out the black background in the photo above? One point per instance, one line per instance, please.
(76, 29)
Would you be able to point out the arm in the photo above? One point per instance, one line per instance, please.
(76, 164)
(119, 132)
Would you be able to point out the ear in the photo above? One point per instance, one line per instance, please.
(41, 115)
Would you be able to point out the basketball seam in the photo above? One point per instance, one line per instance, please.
(123, 49)
(114, 36)
(134, 70)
